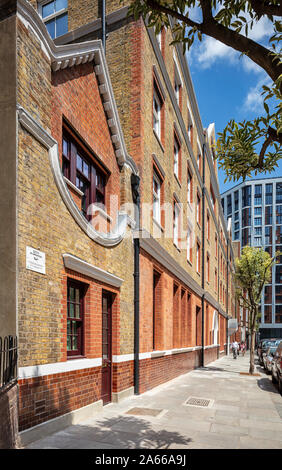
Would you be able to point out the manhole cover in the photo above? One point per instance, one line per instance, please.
(143, 412)
(202, 402)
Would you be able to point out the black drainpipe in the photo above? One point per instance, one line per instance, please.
(104, 25)
(203, 253)
(135, 182)
(227, 292)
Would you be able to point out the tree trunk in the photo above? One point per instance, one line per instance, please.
(252, 352)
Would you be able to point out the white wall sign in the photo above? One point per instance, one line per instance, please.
(35, 260)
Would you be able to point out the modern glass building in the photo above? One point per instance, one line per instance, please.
(255, 208)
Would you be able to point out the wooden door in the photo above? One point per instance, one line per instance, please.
(106, 347)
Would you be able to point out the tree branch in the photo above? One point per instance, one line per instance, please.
(262, 8)
(259, 54)
(272, 137)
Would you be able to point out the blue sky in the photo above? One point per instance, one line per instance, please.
(228, 86)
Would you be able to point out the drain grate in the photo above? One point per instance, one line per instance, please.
(143, 412)
(202, 402)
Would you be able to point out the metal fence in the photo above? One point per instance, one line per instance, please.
(8, 360)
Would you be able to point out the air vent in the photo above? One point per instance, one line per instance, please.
(199, 402)
(143, 412)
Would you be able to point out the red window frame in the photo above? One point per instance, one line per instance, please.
(75, 325)
(80, 167)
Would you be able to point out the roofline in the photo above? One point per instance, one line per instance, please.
(250, 181)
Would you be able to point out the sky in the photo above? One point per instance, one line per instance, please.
(228, 86)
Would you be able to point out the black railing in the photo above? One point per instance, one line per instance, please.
(8, 360)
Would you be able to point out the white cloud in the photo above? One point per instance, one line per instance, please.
(206, 53)
(254, 100)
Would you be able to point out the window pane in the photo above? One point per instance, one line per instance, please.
(268, 215)
(279, 193)
(258, 211)
(279, 234)
(60, 4)
(79, 163)
(258, 221)
(268, 314)
(279, 214)
(268, 235)
(268, 294)
(71, 310)
(278, 294)
(50, 25)
(279, 258)
(278, 314)
(48, 9)
(61, 24)
(69, 343)
(278, 276)
(268, 194)
(86, 169)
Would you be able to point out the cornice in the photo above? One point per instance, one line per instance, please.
(69, 55)
(83, 267)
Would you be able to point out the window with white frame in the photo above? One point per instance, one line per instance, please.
(159, 39)
(177, 84)
(176, 150)
(54, 15)
(189, 245)
(198, 258)
(198, 209)
(156, 198)
(176, 214)
(190, 127)
(157, 105)
(189, 187)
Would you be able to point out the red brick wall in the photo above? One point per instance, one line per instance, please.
(123, 376)
(211, 354)
(45, 398)
(8, 417)
(156, 371)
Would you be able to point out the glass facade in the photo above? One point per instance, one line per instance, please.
(256, 211)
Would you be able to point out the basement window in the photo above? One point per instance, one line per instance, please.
(54, 15)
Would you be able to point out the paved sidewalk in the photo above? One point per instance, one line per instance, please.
(244, 413)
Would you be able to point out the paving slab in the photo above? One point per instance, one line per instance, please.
(244, 412)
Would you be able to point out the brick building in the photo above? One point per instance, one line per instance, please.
(105, 300)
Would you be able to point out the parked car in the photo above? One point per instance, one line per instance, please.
(277, 367)
(264, 344)
(267, 358)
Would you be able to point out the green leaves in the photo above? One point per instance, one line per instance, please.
(252, 272)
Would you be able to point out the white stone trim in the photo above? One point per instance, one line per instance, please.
(105, 239)
(41, 370)
(122, 358)
(70, 183)
(80, 266)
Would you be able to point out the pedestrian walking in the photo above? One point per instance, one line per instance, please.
(235, 347)
(243, 348)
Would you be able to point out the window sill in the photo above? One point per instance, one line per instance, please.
(104, 214)
(159, 140)
(73, 187)
(190, 263)
(199, 274)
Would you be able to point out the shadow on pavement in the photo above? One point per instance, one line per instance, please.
(266, 385)
(120, 433)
